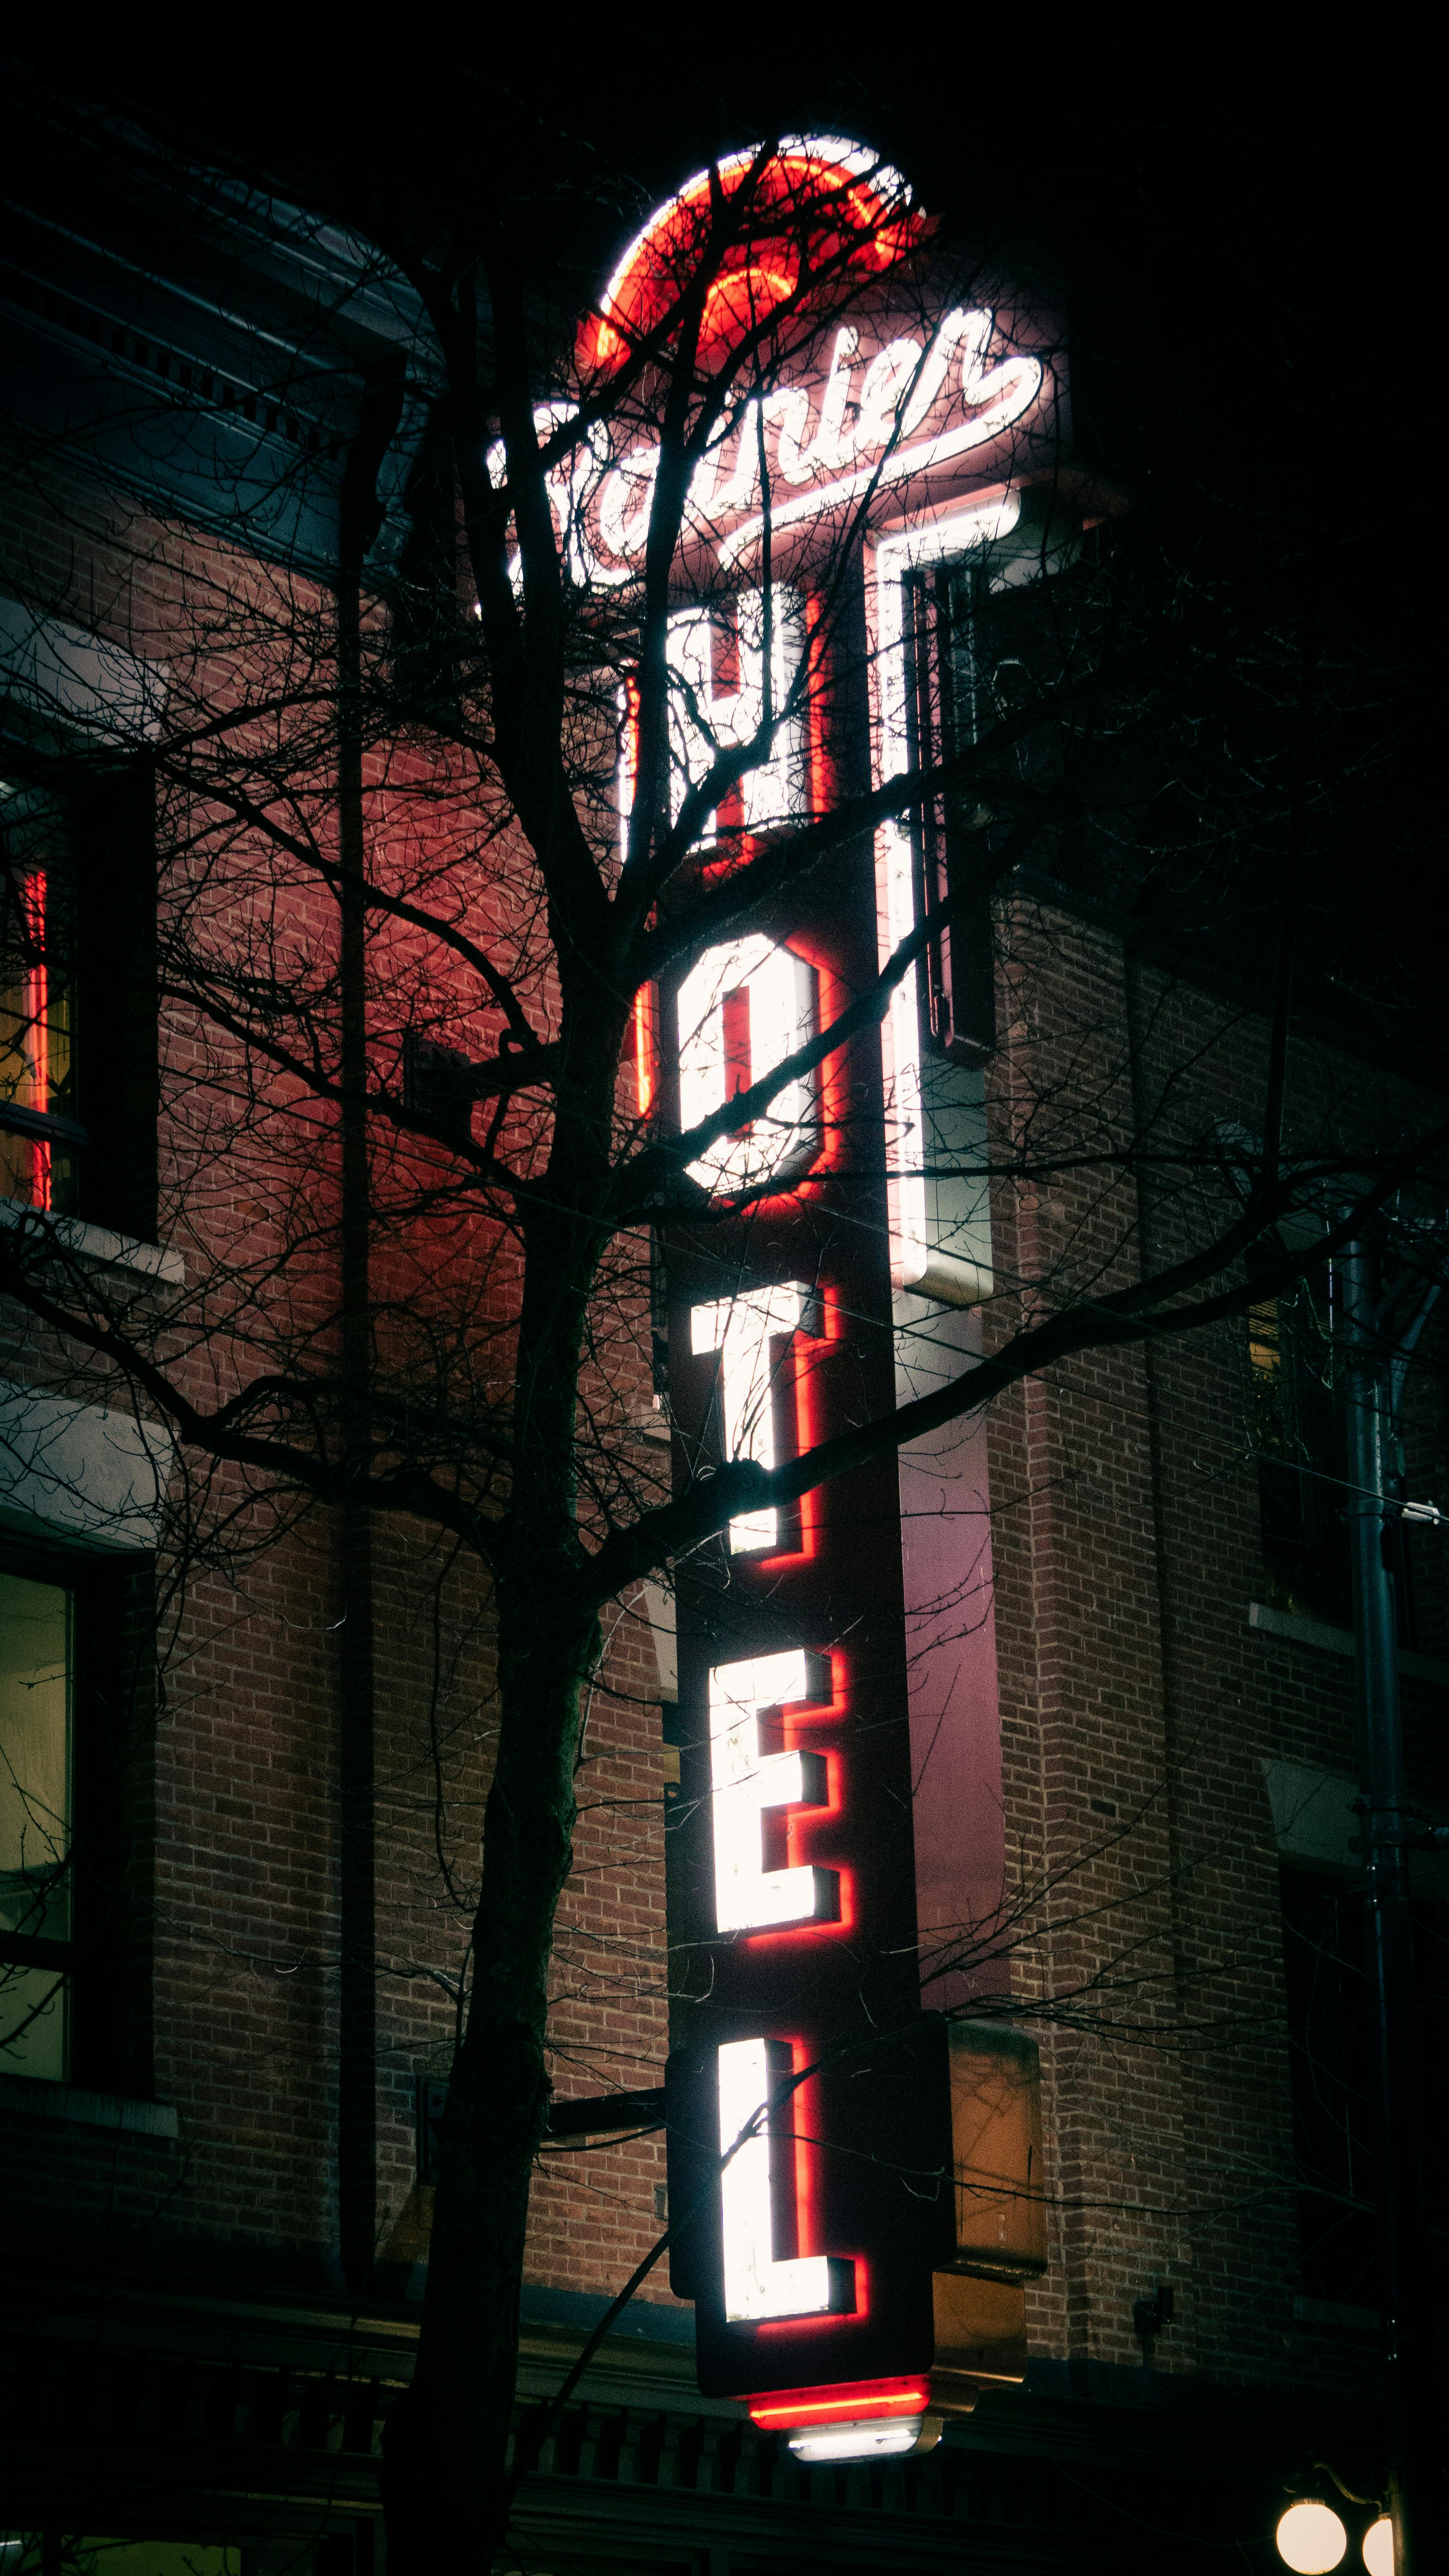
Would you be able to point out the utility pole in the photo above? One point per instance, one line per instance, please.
(1415, 2498)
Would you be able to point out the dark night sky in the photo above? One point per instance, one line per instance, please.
(1243, 224)
(1242, 228)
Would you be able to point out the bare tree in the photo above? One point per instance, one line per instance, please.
(427, 1117)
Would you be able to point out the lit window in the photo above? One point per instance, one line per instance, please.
(38, 1131)
(78, 1055)
(36, 1690)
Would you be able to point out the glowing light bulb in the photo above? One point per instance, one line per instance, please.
(1378, 2547)
(1310, 2537)
(868, 2441)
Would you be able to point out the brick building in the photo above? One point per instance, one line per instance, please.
(1102, 1640)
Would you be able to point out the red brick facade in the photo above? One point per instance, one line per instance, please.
(1142, 1707)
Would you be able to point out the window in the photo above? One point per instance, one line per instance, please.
(982, 645)
(37, 1676)
(1300, 1436)
(78, 1068)
(76, 1704)
(39, 1131)
(1331, 2068)
(1328, 2041)
(1300, 1439)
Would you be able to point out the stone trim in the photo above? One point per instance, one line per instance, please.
(97, 1245)
(1335, 1641)
(32, 2098)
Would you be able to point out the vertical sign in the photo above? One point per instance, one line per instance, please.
(809, 2120)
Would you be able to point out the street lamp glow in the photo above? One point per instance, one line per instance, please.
(871, 2440)
(1378, 2547)
(1310, 2538)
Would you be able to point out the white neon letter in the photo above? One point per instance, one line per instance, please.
(744, 1782)
(740, 1329)
(626, 501)
(772, 993)
(704, 721)
(756, 2286)
(883, 393)
(912, 1253)
(832, 446)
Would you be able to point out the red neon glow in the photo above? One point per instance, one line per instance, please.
(802, 2126)
(824, 202)
(815, 707)
(737, 300)
(809, 1427)
(855, 2400)
(830, 1078)
(645, 1043)
(799, 1822)
(834, 1092)
(805, 2133)
(735, 1022)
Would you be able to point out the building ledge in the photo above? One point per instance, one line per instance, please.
(1336, 1641)
(34, 2099)
(97, 1244)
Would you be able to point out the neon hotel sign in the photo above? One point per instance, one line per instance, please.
(877, 421)
(908, 408)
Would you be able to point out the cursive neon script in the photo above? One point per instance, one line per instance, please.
(793, 454)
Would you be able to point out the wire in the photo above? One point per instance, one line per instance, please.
(1429, 1512)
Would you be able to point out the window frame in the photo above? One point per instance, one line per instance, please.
(43, 1950)
(104, 821)
(1330, 2046)
(108, 1962)
(40, 818)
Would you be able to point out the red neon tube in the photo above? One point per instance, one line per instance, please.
(852, 2401)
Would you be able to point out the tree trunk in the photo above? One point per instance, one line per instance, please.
(445, 2453)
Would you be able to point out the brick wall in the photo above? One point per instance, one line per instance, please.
(1137, 1705)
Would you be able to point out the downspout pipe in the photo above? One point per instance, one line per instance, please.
(1387, 1831)
(359, 518)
